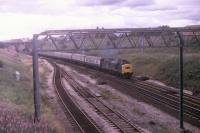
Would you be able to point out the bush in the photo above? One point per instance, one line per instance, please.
(1, 63)
(163, 64)
(12, 121)
(169, 71)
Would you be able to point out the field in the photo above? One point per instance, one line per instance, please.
(163, 64)
(17, 96)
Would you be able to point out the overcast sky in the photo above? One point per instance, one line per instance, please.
(22, 18)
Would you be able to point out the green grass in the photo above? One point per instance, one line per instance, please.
(47, 111)
(169, 71)
(20, 93)
(137, 111)
(13, 121)
(11, 90)
(163, 64)
(108, 95)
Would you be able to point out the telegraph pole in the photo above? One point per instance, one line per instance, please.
(36, 83)
(142, 43)
(181, 79)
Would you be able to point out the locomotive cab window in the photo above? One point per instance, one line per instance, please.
(125, 62)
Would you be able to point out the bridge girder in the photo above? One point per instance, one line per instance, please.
(120, 38)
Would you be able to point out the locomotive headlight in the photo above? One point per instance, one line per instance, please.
(127, 68)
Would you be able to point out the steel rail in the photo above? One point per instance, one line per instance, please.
(116, 119)
(153, 94)
(63, 103)
(147, 96)
(191, 113)
(167, 92)
(173, 102)
(188, 111)
(187, 100)
(83, 120)
(192, 99)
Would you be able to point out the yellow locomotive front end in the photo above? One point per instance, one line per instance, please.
(127, 70)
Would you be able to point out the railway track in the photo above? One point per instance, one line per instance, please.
(115, 119)
(81, 121)
(156, 95)
(188, 99)
(190, 107)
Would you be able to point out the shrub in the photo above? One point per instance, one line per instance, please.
(169, 71)
(13, 121)
(1, 63)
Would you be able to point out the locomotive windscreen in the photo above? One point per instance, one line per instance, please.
(125, 62)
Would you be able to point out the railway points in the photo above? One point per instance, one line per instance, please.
(100, 66)
(117, 120)
(153, 94)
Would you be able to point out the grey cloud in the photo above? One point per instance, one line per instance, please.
(39, 7)
(137, 3)
(126, 3)
(20, 6)
(99, 2)
(32, 7)
(187, 2)
(186, 12)
(193, 15)
(178, 14)
(156, 8)
(145, 7)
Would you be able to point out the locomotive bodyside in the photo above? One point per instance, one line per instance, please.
(118, 67)
(114, 66)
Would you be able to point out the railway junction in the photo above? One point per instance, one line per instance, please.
(99, 66)
(183, 106)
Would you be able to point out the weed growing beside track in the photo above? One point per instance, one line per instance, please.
(16, 96)
(13, 120)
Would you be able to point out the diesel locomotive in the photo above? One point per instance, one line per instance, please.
(114, 66)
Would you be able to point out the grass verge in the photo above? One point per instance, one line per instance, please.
(163, 64)
(18, 94)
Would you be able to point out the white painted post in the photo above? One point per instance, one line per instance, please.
(17, 75)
